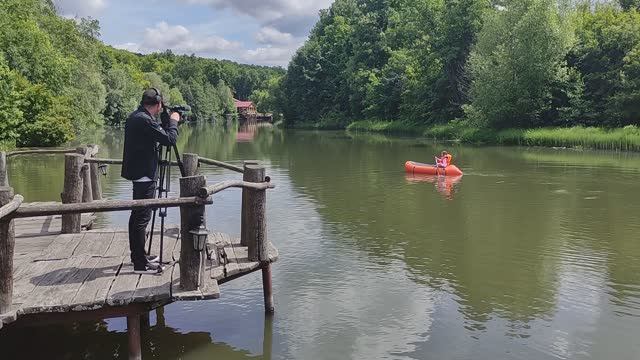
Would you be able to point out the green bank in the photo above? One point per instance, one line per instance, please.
(626, 138)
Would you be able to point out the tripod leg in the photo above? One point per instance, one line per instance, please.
(160, 180)
(163, 213)
(153, 224)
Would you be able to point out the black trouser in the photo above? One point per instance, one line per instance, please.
(138, 222)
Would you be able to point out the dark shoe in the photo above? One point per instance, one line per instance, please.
(148, 268)
(153, 258)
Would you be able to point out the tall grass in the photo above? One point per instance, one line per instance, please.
(626, 138)
(391, 127)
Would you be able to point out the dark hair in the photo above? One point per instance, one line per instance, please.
(151, 96)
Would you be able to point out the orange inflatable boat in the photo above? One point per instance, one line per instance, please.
(413, 167)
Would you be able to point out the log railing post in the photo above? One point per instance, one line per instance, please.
(191, 218)
(85, 174)
(254, 228)
(252, 177)
(7, 243)
(72, 192)
(96, 186)
(253, 214)
(190, 162)
(4, 177)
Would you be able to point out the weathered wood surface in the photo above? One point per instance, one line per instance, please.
(40, 152)
(91, 270)
(11, 206)
(221, 164)
(44, 209)
(191, 218)
(72, 192)
(7, 246)
(254, 226)
(4, 177)
(190, 162)
(237, 262)
(216, 188)
(47, 225)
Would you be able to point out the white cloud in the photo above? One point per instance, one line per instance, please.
(130, 46)
(80, 8)
(293, 16)
(270, 35)
(270, 55)
(180, 40)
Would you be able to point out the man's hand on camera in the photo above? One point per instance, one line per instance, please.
(175, 116)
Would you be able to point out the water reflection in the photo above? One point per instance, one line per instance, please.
(445, 185)
(100, 340)
(536, 257)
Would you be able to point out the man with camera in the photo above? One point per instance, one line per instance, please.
(143, 132)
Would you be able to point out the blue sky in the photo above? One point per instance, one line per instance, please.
(264, 32)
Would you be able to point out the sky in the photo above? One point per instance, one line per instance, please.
(262, 32)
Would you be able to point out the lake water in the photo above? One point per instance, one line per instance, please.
(532, 254)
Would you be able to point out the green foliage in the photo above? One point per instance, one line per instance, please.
(84, 83)
(10, 101)
(123, 95)
(606, 55)
(518, 57)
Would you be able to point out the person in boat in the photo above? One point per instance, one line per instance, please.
(444, 160)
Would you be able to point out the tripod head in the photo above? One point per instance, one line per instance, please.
(167, 110)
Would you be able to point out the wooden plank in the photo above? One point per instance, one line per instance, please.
(154, 288)
(62, 247)
(50, 275)
(170, 240)
(94, 244)
(47, 225)
(93, 292)
(33, 246)
(27, 279)
(124, 286)
(56, 293)
(232, 267)
(210, 290)
(119, 247)
(158, 288)
(242, 253)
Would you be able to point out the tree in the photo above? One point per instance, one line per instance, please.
(518, 57)
(123, 95)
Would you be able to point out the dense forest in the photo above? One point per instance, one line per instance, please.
(58, 80)
(495, 64)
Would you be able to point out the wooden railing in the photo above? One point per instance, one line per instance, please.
(82, 194)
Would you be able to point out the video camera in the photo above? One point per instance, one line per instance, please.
(167, 110)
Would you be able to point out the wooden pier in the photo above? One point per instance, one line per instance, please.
(55, 267)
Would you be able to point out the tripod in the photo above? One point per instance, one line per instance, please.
(164, 186)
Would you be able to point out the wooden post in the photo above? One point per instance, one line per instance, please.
(72, 192)
(96, 186)
(254, 229)
(87, 192)
(133, 332)
(191, 218)
(190, 162)
(85, 173)
(253, 177)
(7, 243)
(267, 288)
(253, 214)
(4, 177)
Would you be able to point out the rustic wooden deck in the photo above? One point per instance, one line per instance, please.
(92, 270)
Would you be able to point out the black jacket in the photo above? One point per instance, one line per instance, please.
(142, 133)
